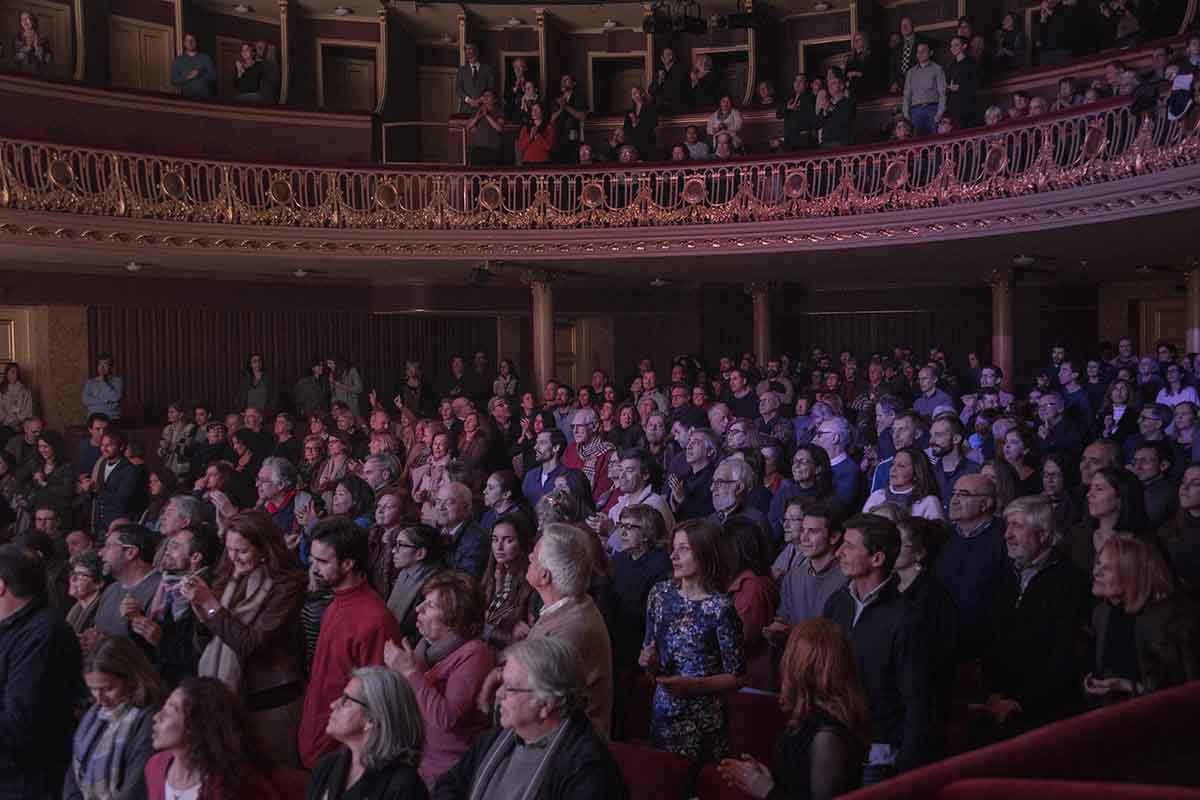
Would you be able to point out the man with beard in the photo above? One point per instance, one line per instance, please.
(947, 445)
(548, 450)
(120, 486)
(354, 628)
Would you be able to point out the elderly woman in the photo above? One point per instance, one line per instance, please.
(314, 455)
(205, 748)
(379, 726)
(693, 645)
(333, 469)
(252, 612)
(418, 553)
(85, 583)
(389, 520)
(112, 742)
(446, 669)
(429, 477)
(1144, 630)
(507, 596)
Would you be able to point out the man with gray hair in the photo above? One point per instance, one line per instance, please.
(545, 746)
(833, 436)
(466, 543)
(719, 418)
(277, 491)
(691, 495)
(732, 482)
(589, 451)
(381, 472)
(560, 569)
(182, 512)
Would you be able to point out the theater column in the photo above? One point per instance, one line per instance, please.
(1002, 338)
(760, 295)
(540, 283)
(1192, 335)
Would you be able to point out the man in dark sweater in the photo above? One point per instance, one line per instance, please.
(1031, 667)
(892, 652)
(973, 559)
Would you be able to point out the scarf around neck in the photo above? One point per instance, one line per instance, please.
(245, 599)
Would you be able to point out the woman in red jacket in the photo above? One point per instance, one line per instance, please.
(205, 748)
(537, 137)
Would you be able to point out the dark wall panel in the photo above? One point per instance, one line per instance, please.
(190, 354)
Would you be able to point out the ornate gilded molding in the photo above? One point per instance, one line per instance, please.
(1058, 171)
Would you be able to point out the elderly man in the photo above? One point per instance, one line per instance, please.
(277, 492)
(691, 495)
(1031, 667)
(972, 561)
(771, 424)
(545, 746)
(732, 482)
(467, 543)
(560, 569)
(719, 418)
(589, 451)
(182, 512)
(287, 444)
(1152, 427)
(931, 399)
(1058, 433)
(833, 436)
(633, 481)
(382, 472)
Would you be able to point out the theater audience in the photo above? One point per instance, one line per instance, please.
(193, 72)
(378, 724)
(507, 595)
(536, 141)
(85, 585)
(924, 92)
(1115, 504)
(30, 49)
(754, 593)
(640, 124)
(726, 120)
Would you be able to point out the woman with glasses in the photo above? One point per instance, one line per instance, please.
(811, 480)
(379, 725)
(418, 553)
(85, 584)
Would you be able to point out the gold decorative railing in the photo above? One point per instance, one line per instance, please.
(1092, 145)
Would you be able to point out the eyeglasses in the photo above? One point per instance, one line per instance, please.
(967, 495)
(718, 482)
(512, 689)
(345, 698)
(630, 526)
(406, 545)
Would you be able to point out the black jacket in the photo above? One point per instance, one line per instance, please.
(40, 683)
(396, 782)
(1036, 648)
(124, 494)
(582, 769)
(893, 660)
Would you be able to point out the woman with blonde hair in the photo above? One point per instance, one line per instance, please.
(1143, 627)
(821, 753)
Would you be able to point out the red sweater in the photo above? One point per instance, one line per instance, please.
(600, 480)
(353, 632)
(535, 148)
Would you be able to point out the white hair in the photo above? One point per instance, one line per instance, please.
(565, 554)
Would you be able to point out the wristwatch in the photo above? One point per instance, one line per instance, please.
(212, 612)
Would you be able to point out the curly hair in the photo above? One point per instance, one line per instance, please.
(218, 741)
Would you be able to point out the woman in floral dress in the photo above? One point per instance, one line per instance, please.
(694, 646)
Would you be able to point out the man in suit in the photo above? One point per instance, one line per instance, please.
(119, 486)
(473, 80)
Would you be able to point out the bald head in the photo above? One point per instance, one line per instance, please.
(973, 502)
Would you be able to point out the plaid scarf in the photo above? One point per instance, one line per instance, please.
(101, 744)
(590, 452)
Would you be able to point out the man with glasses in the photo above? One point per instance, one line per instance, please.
(128, 556)
(691, 495)
(833, 436)
(772, 424)
(277, 491)
(1152, 427)
(973, 558)
(1057, 433)
(589, 452)
(544, 746)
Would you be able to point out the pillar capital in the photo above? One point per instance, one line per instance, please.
(534, 277)
(761, 287)
(1001, 277)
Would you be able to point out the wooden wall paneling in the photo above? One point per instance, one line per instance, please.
(348, 74)
(141, 54)
(228, 51)
(194, 354)
(55, 22)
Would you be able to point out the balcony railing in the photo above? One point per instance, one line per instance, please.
(1091, 145)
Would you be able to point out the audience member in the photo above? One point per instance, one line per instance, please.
(472, 80)
(508, 597)
(195, 75)
(31, 50)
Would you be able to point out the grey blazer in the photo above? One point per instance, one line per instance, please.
(472, 84)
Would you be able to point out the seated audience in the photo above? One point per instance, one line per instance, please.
(726, 120)
(911, 485)
(1115, 504)
(507, 594)
(86, 584)
(378, 724)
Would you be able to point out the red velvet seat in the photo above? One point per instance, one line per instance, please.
(1013, 789)
(652, 774)
(1149, 740)
(755, 723)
